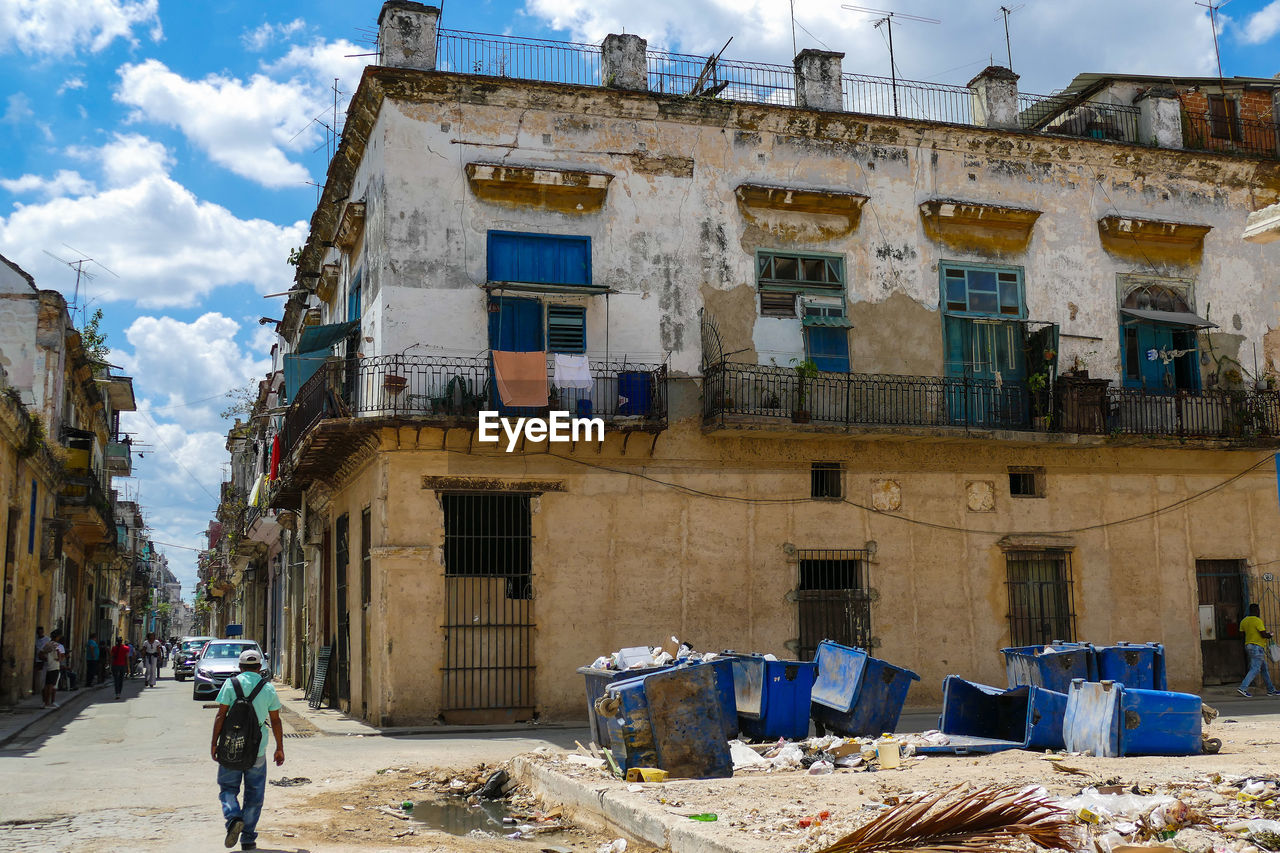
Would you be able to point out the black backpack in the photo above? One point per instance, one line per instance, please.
(241, 732)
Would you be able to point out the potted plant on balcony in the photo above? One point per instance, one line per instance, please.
(805, 372)
(1038, 385)
(394, 383)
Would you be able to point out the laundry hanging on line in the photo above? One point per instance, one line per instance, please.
(573, 371)
(521, 378)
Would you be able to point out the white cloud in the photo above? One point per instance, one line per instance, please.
(322, 61)
(1052, 42)
(260, 38)
(64, 182)
(55, 28)
(176, 366)
(169, 247)
(1262, 24)
(17, 109)
(71, 84)
(246, 127)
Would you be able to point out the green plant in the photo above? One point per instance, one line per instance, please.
(295, 256)
(94, 339)
(806, 372)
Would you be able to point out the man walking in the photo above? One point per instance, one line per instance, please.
(1255, 649)
(54, 654)
(92, 653)
(41, 639)
(151, 657)
(242, 818)
(119, 663)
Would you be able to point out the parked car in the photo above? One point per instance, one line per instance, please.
(218, 661)
(184, 660)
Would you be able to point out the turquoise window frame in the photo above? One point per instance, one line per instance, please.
(775, 284)
(947, 303)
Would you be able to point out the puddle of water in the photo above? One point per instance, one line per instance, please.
(457, 818)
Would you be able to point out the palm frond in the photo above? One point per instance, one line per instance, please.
(960, 821)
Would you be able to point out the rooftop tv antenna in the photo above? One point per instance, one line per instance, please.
(1005, 12)
(886, 18)
(1213, 22)
(78, 266)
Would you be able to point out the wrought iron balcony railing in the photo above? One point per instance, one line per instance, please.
(444, 389)
(751, 393)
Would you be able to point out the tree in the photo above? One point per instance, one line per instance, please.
(94, 339)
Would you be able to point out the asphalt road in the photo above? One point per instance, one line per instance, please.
(135, 774)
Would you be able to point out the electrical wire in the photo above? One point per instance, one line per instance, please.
(689, 490)
(174, 456)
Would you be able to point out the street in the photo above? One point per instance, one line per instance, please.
(136, 774)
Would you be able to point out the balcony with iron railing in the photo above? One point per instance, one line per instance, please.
(686, 75)
(449, 391)
(1220, 134)
(83, 501)
(763, 398)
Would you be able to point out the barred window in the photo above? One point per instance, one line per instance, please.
(824, 481)
(834, 599)
(1041, 605)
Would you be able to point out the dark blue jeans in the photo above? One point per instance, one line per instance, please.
(255, 786)
(117, 676)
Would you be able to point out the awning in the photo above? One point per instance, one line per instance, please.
(299, 367)
(323, 337)
(832, 322)
(1172, 318)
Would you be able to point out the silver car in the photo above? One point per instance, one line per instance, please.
(220, 660)
(186, 655)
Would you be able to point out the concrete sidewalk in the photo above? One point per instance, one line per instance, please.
(18, 718)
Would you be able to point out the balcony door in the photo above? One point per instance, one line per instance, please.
(983, 313)
(515, 325)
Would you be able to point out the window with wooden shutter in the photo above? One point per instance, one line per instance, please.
(1224, 117)
(566, 328)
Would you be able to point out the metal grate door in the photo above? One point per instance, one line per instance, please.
(1041, 604)
(1223, 591)
(488, 558)
(342, 653)
(833, 598)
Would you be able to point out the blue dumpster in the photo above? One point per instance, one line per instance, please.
(1112, 719)
(635, 388)
(1137, 665)
(856, 694)
(1053, 667)
(672, 720)
(772, 696)
(723, 668)
(979, 718)
(597, 680)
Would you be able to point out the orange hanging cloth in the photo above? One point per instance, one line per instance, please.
(521, 377)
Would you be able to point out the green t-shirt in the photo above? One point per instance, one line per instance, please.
(265, 702)
(1252, 627)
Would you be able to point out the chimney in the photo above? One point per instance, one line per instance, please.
(818, 80)
(624, 62)
(995, 98)
(407, 34)
(1159, 117)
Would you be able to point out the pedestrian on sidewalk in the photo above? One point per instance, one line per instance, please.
(54, 654)
(120, 653)
(41, 639)
(92, 655)
(242, 818)
(1255, 649)
(151, 649)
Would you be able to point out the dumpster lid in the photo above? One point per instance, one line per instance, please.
(840, 671)
(968, 745)
(1093, 718)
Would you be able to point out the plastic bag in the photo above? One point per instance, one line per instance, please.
(821, 768)
(744, 756)
(789, 756)
(1273, 650)
(1115, 806)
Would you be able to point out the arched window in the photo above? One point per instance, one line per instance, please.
(1156, 297)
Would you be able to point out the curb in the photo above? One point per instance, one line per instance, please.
(607, 809)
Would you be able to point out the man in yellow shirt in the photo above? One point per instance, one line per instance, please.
(1255, 649)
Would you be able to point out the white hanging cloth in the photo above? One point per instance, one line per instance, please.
(573, 371)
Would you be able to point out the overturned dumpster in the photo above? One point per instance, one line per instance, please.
(772, 696)
(977, 718)
(1111, 720)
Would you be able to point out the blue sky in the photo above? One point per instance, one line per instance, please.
(174, 141)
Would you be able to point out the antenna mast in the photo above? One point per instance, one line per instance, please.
(887, 19)
(1005, 12)
(1213, 22)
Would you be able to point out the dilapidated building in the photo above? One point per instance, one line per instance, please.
(930, 369)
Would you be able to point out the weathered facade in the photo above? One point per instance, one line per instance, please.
(61, 446)
(931, 386)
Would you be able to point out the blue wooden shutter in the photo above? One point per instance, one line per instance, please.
(539, 258)
(516, 326)
(829, 348)
(353, 297)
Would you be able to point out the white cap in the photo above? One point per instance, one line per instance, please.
(250, 656)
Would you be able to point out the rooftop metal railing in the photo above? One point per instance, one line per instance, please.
(913, 99)
(1067, 115)
(728, 79)
(1250, 137)
(519, 58)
